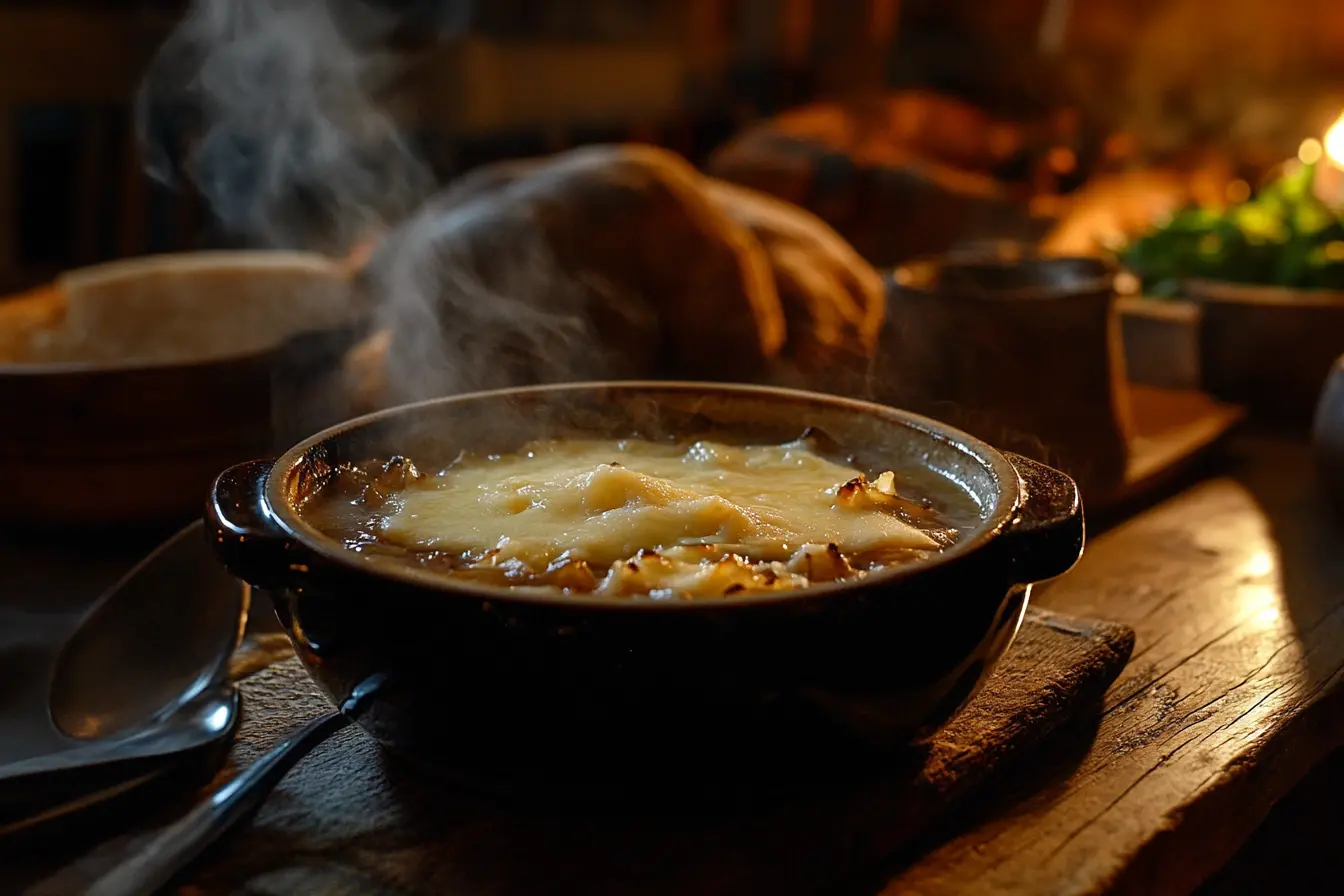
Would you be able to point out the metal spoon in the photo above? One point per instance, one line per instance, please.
(90, 783)
(205, 718)
(151, 644)
(140, 682)
(155, 864)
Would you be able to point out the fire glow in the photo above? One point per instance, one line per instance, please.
(1328, 180)
(1334, 143)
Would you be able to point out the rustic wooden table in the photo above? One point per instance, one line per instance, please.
(1235, 587)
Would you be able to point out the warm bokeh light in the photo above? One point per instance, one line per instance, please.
(1260, 564)
(1062, 160)
(1309, 153)
(1121, 146)
(1334, 142)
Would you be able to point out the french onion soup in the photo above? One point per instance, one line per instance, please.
(636, 518)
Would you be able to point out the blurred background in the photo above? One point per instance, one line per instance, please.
(1099, 233)
(1032, 100)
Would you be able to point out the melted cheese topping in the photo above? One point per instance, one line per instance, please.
(602, 502)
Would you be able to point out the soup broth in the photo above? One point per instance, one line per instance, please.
(635, 518)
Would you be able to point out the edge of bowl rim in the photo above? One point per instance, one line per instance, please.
(213, 259)
(1092, 285)
(996, 519)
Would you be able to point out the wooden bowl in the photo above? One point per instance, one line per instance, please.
(127, 387)
(1268, 347)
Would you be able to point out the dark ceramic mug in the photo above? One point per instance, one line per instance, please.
(1023, 351)
(542, 692)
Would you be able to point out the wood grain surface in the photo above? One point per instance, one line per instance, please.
(1174, 431)
(1236, 591)
(348, 819)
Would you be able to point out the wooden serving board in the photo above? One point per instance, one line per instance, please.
(1173, 430)
(349, 820)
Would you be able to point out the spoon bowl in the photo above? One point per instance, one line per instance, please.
(140, 691)
(51, 788)
(151, 644)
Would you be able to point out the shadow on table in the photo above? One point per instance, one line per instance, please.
(398, 832)
(1296, 847)
(801, 839)
(808, 840)
(1010, 796)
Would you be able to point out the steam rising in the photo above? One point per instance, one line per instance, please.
(275, 110)
(279, 112)
(478, 301)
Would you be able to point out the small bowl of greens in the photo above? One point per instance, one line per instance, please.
(1268, 278)
(1284, 237)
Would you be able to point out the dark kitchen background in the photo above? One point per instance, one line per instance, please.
(913, 128)
(1085, 87)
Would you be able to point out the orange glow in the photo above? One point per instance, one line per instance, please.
(882, 21)
(796, 24)
(1120, 146)
(1062, 160)
(1334, 142)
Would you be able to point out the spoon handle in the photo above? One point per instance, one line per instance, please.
(150, 870)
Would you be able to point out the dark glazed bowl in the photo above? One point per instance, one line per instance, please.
(592, 696)
(1268, 347)
(1039, 363)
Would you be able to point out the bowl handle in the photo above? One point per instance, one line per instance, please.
(1046, 537)
(246, 538)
